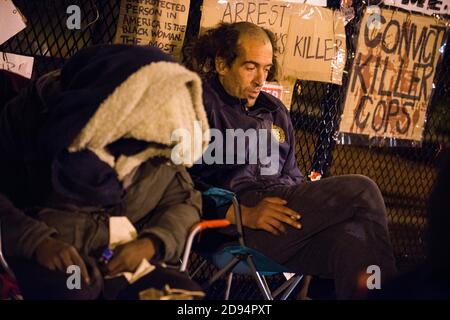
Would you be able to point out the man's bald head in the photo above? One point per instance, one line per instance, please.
(247, 31)
(251, 30)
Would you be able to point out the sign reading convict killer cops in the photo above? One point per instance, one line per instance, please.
(153, 22)
(392, 75)
(315, 48)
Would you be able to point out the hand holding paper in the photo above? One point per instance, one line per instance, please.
(130, 255)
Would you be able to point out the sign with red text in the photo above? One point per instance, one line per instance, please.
(274, 89)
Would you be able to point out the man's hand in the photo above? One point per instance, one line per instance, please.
(58, 255)
(129, 256)
(269, 214)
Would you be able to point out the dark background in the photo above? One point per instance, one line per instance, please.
(404, 174)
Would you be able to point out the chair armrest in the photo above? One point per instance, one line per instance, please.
(223, 196)
(238, 219)
(197, 228)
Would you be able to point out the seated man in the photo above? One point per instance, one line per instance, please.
(335, 227)
(85, 161)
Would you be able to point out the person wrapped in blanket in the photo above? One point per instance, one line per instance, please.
(88, 149)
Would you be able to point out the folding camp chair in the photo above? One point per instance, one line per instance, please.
(231, 259)
(238, 258)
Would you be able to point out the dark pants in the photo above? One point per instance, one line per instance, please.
(39, 283)
(344, 230)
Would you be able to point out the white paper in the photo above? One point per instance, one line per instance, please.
(122, 231)
(11, 21)
(22, 65)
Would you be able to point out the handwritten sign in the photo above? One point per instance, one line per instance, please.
(11, 21)
(153, 22)
(425, 6)
(273, 15)
(392, 75)
(315, 48)
(15, 63)
(320, 3)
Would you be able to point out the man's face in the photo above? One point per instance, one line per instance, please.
(245, 78)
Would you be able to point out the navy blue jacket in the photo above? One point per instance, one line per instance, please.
(228, 112)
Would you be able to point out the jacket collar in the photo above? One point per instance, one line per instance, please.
(263, 103)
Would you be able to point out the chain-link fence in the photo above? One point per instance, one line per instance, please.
(405, 174)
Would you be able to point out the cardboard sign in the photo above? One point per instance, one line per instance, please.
(273, 15)
(153, 22)
(11, 21)
(425, 6)
(392, 75)
(315, 48)
(15, 63)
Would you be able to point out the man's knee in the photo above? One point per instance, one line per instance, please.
(361, 182)
(366, 188)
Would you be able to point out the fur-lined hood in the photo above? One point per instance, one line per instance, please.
(114, 107)
(127, 92)
(152, 105)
